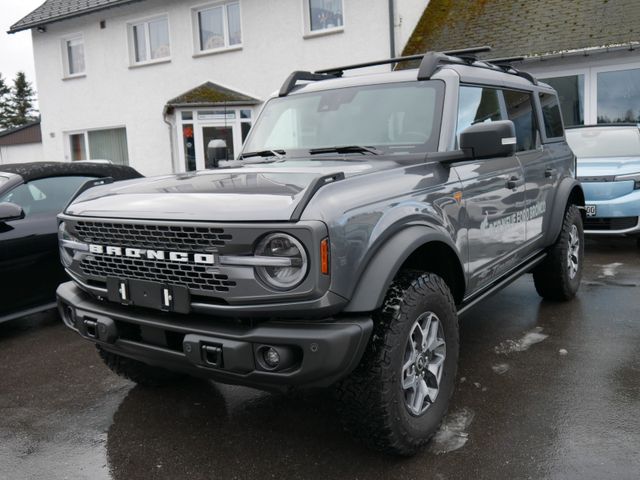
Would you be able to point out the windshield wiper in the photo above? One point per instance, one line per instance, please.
(345, 149)
(264, 153)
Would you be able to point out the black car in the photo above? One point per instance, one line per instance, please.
(31, 195)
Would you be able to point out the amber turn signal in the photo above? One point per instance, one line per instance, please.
(324, 256)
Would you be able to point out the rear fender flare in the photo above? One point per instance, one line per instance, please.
(569, 187)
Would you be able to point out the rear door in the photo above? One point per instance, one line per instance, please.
(538, 173)
(493, 194)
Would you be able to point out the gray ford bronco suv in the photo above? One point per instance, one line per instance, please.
(363, 216)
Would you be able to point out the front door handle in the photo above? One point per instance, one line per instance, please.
(549, 172)
(513, 182)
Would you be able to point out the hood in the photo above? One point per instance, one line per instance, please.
(607, 167)
(255, 192)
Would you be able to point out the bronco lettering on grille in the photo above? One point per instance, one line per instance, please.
(199, 258)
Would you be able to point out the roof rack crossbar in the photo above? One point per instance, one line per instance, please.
(299, 75)
(504, 60)
(464, 52)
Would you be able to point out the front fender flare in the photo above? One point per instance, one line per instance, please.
(383, 266)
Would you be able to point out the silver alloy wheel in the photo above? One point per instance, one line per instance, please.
(423, 363)
(573, 259)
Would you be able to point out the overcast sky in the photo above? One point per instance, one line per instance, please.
(15, 49)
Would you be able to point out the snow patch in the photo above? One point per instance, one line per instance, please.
(500, 368)
(610, 269)
(530, 338)
(452, 434)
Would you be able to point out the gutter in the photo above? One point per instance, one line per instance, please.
(392, 29)
(631, 46)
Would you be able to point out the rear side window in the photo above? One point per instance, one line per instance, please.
(551, 115)
(520, 112)
(46, 195)
(477, 105)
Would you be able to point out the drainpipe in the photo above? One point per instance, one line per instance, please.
(174, 166)
(392, 29)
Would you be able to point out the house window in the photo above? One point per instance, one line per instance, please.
(571, 94)
(218, 27)
(618, 96)
(73, 56)
(149, 40)
(323, 15)
(107, 144)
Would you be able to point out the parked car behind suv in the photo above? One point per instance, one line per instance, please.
(609, 170)
(31, 195)
(364, 215)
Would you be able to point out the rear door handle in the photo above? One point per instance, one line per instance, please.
(514, 182)
(549, 172)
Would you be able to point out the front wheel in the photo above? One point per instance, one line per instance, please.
(396, 399)
(558, 276)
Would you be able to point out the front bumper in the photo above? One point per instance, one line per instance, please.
(618, 209)
(319, 352)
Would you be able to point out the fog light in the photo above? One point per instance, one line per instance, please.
(271, 357)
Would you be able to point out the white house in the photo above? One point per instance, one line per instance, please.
(151, 82)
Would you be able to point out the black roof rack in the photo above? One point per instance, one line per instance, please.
(429, 64)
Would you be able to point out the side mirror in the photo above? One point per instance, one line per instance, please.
(10, 211)
(488, 140)
(216, 151)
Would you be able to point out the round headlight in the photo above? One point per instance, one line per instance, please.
(285, 261)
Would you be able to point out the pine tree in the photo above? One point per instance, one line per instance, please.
(20, 107)
(5, 113)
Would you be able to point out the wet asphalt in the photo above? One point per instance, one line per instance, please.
(545, 390)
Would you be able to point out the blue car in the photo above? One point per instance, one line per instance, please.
(609, 169)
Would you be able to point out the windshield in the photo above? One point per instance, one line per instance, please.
(604, 141)
(393, 118)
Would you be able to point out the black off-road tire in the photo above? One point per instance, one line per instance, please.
(552, 277)
(138, 372)
(371, 399)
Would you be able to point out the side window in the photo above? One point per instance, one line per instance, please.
(477, 105)
(46, 195)
(520, 112)
(551, 115)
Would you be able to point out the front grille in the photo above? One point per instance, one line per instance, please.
(195, 277)
(165, 237)
(613, 223)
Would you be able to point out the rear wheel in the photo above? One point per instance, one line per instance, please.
(558, 276)
(396, 399)
(136, 371)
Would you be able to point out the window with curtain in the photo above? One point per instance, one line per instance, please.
(108, 144)
(150, 40)
(218, 26)
(324, 14)
(73, 53)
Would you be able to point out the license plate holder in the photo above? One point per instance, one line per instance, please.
(591, 210)
(143, 293)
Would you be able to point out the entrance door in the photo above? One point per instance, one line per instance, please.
(197, 128)
(217, 133)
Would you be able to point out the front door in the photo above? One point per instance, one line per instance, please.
(226, 129)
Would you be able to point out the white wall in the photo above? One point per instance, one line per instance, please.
(114, 94)
(28, 152)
